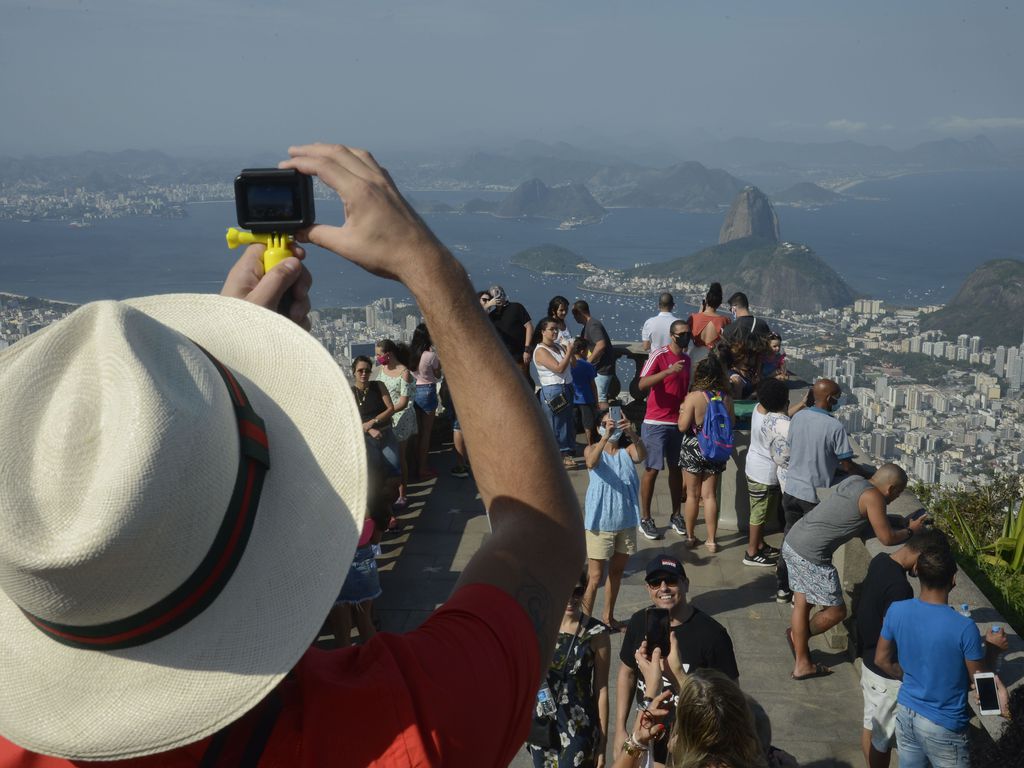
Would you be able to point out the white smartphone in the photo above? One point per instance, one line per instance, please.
(988, 699)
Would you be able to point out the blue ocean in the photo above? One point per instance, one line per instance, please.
(911, 239)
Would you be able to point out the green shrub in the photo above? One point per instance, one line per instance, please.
(986, 526)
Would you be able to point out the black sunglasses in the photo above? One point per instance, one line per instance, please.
(656, 581)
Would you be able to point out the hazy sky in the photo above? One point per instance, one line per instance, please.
(179, 75)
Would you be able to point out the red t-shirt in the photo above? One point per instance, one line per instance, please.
(457, 691)
(664, 399)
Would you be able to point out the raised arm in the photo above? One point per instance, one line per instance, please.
(536, 545)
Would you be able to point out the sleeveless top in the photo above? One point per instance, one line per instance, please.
(548, 377)
(613, 496)
(370, 401)
(699, 321)
(836, 520)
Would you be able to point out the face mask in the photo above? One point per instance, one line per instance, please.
(383, 359)
(613, 437)
(682, 340)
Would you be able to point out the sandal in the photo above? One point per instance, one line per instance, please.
(569, 462)
(693, 542)
(712, 546)
(820, 670)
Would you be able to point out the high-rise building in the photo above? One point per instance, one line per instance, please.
(999, 366)
(924, 468)
(963, 340)
(882, 387)
(975, 344)
(915, 345)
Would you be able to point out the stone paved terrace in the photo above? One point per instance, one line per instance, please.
(818, 720)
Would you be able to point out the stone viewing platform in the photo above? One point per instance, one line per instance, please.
(818, 720)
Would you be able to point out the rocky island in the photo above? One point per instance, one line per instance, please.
(551, 259)
(535, 198)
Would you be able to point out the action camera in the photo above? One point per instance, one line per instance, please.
(272, 200)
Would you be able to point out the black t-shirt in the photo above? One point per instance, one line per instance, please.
(703, 644)
(371, 400)
(885, 583)
(594, 332)
(509, 322)
(744, 327)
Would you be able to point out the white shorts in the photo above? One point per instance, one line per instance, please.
(879, 708)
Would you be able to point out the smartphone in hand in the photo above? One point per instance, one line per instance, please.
(656, 631)
(988, 698)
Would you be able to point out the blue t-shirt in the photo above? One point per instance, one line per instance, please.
(582, 374)
(818, 442)
(932, 642)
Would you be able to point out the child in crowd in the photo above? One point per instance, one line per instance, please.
(362, 586)
(585, 391)
(773, 364)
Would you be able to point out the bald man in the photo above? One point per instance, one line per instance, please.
(819, 446)
(812, 541)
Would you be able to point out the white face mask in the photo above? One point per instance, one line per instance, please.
(613, 437)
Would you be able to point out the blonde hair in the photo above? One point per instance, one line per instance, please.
(714, 725)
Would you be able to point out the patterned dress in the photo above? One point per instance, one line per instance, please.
(578, 722)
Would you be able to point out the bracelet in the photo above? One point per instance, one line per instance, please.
(633, 748)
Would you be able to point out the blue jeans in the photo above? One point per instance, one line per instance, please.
(561, 423)
(603, 381)
(921, 742)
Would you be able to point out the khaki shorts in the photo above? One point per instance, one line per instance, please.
(602, 545)
(764, 501)
(879, 708)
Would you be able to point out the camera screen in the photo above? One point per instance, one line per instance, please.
(271, 202)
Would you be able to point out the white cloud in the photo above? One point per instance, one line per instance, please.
(846, 126)
(958, 124)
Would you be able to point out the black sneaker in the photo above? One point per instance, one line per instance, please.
(782, 596)
(460, 470)
(770, 551)
(649, 529)
(759, 559)
(678, 524)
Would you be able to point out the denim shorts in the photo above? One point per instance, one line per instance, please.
(426, 397)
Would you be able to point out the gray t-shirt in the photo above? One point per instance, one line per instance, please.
(836, 520)
(818, 442)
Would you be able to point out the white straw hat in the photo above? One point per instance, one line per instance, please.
(145, 601)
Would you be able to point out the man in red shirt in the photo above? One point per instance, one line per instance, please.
(666, 379)
(146, 626)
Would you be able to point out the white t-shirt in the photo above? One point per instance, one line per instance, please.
(760, 467)
(656, 330)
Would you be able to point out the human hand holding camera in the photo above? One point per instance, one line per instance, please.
(382, 233)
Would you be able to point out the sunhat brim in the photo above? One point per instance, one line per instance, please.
(97, 705)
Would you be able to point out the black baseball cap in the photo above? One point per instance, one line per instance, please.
(665, 564)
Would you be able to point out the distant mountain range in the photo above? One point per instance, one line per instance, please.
(990, 304)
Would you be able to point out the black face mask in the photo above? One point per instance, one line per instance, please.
(682, 340)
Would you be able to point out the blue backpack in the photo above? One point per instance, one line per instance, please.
(715, 437)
